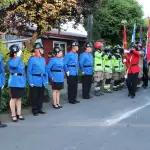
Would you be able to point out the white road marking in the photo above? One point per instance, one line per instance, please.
(118, 118)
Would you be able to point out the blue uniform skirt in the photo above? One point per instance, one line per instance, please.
(57, 85)
(16, 92)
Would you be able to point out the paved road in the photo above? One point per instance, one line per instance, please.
(109, 122)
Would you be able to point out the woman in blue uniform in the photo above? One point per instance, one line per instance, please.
(16, 82)
(56, 75)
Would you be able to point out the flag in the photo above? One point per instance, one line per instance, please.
(124, 38)
(148, 42)
(133, 35)
(141, 36)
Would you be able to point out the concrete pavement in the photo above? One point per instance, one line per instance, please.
(109, 122)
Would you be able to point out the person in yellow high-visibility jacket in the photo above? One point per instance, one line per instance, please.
(98, 69)
(108, 69)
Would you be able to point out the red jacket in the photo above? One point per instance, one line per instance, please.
(133, 62)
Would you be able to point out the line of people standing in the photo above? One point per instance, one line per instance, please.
(107, 65)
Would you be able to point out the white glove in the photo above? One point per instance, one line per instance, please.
(67, 73)
(126, 51)
(31, 85)
(124, 60)
(2, 87)
(83, 73)
(19, 53)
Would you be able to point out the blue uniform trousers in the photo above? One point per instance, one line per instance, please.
(37, 98)
(72, 82)
(86, 85)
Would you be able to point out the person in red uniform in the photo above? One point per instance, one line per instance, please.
(133, 69)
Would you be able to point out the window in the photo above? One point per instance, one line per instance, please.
(61, 45)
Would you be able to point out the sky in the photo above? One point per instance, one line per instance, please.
(146, 7)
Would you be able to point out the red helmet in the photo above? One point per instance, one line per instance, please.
(98, 45)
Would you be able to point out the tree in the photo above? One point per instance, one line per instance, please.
(4, 4)
(108, 17)
(44, 14)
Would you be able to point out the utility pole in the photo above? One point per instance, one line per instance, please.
(90, 27)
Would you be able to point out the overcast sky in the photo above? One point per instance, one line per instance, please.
(146, 7)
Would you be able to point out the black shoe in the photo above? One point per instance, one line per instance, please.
(86, 97)
(3, 125)
(19, 117)
(56, 106)
(14, 119)
(77, 101)
(72, 102)
(144, 87)
(133, 96)
(59, 106)
(35, 114)
(41, 112)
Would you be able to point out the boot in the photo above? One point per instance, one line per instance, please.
(97, 93)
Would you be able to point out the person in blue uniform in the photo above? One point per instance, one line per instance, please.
(86, 66)
(71, 66)
(2, 83)
(55, 70)
(37, 78)
(16, 82)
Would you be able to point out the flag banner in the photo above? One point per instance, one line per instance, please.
(124, 38)
(133, 35)
(141, 36)
(148, 42)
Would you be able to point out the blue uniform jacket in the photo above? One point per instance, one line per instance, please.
(55, 69)
(2, 73)
(71, 63)
(16, 65)
(37, 72)
(86, 63)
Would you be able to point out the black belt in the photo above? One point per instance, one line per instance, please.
(98, 65)
(17, 74)
(71, 65)
(56, 70)
(87, 66)
(134, 64)
(38, 75)
(107, 66)
(116, 67)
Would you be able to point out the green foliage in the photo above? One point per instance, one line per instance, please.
(45, 15)
(107, 20)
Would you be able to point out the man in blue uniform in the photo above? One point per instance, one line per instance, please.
(37, 78)
(2, 83)
(86, 66)
(71, 69)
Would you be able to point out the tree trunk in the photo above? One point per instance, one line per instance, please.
(28, 44)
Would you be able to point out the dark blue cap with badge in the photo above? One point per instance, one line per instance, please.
(14, 49)
(75, 43)
(88, 44)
